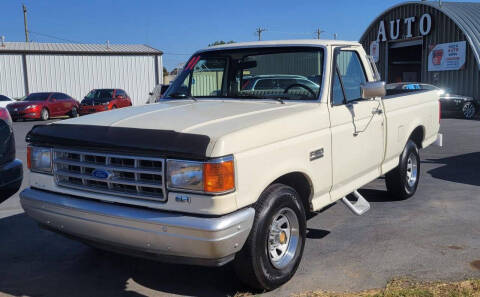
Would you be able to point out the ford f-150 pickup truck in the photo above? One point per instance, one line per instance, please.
(218, 171)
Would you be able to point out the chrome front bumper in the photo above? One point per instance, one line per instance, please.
(211, 241)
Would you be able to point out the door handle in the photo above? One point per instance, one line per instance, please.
(377, 111)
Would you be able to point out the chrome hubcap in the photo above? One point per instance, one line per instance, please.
(412, 170)
(283, 238)
(469, 110)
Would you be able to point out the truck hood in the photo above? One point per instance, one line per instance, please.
(220, 120)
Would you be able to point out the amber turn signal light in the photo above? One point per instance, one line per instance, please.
(218, 177)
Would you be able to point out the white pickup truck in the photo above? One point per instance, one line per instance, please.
(246, 142)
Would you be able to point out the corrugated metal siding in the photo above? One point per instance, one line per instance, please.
(306, 64)
(444, 30)
(160, 69)
(206, 83)
(29, 47)
(77, 74)
(11, 76)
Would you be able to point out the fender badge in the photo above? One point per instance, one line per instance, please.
(182, 198)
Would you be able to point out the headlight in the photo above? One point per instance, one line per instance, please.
(39, 159)
(30, 106)
(215, 176)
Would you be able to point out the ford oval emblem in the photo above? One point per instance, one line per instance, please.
(99, 173)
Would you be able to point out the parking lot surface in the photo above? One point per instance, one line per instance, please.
(434, 235)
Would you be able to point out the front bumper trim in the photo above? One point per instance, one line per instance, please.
(210, 241)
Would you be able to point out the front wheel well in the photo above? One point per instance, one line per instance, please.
(301, 183)
(417, 136)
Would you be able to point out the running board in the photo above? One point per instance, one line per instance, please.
(359, 207)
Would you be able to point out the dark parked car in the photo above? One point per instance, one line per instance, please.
(453, 104)
(104, 99)
(4, 101)
(456, 105)
(11, 169)
(43, 106)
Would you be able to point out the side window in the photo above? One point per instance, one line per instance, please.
(337, 95)
(120, 93)
(352, 74)
(265, 84)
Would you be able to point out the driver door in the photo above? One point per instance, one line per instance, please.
(55, 104)
(357, 127)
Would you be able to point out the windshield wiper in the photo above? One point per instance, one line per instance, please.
(278, 99)
(181, 96)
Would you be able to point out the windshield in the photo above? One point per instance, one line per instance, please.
(4, 98)
(263, 73)
(100, 94)
(37, 97)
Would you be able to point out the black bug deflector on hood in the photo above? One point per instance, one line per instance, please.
(165, 143)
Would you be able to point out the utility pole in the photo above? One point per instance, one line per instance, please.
(319, 32)
(25, 22)
(335, 35)
(259, 32)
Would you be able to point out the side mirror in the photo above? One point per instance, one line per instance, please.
(371, 90)
(53, 100)
(120, 97)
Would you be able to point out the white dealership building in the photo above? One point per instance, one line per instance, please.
(76, 69)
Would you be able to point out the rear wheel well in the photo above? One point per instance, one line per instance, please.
(417, 136)
(301, 183)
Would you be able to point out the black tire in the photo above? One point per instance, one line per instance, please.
(402, 182)
(74, 112)
(44, 114)
(469, 110)
(254, 264)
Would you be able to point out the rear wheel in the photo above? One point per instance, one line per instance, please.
(274, 248)
(74, 112)
(468, 110)
(402, 182)
(44, 114)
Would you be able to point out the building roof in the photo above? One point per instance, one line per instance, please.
(272, 43)
(464, 14)
(78, 48)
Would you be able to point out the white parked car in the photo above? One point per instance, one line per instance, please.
(4, 101)
(216, 173)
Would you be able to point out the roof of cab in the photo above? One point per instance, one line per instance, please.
(275, 43)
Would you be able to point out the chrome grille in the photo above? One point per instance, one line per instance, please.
(126, 176)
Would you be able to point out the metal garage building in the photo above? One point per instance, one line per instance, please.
(429, 41)
(76, 69)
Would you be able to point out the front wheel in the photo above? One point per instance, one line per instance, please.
(44, 115)
(274, 248)
(402, 182)
(468, 110)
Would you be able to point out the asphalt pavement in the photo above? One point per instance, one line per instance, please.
(434, 235)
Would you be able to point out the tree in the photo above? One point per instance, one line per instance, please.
(220, 42)
(165, 72)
